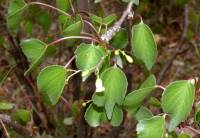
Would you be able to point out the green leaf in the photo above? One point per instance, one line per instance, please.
(34, 50)
(63, 5)
(149, 82)
(104, 21)
(93, 115)
(184, 136)
(109, 19)
(6, 106)
(173, 134)
(197, 115)
(98, 99)
(135, 99)
(73, 30)
(51, 82)
(88, 56)
(22, 116)
(154, 102)
(115, 84)
(44, 19)
(117, 116)
(181, 2)
(143, 45)
(2, 40)
(151, 128)
(143, 113)
(177, 101)
(15, 12)
(96, 19)
(28, 26)
(120, 40)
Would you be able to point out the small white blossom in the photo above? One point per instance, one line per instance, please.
(99, 85)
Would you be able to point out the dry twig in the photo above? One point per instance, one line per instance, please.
(114, 29)
(178, 49)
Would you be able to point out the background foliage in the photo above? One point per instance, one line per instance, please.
(58, 79)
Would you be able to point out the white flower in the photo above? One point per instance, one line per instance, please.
(99, 85)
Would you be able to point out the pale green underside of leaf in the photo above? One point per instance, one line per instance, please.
(88, 56)
(51, 82)
(177, 101)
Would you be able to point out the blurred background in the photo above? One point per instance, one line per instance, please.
(175, 24)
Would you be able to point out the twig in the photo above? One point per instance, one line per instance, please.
(114, 29)
(92, 26)
(71, 5)
(6, 132)
(73, 74)
(49, 6)
(193, 130)
(73, 37)
(160, 87)
(18, 128)
(69, 62)
(66, 102)
(178, 49)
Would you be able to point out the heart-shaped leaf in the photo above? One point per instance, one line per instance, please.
(151, 128)
(115, 84)
(51, 82)
(15, 12)
(143, 45)
(34, 50)
(177, 101)
(88, 56)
